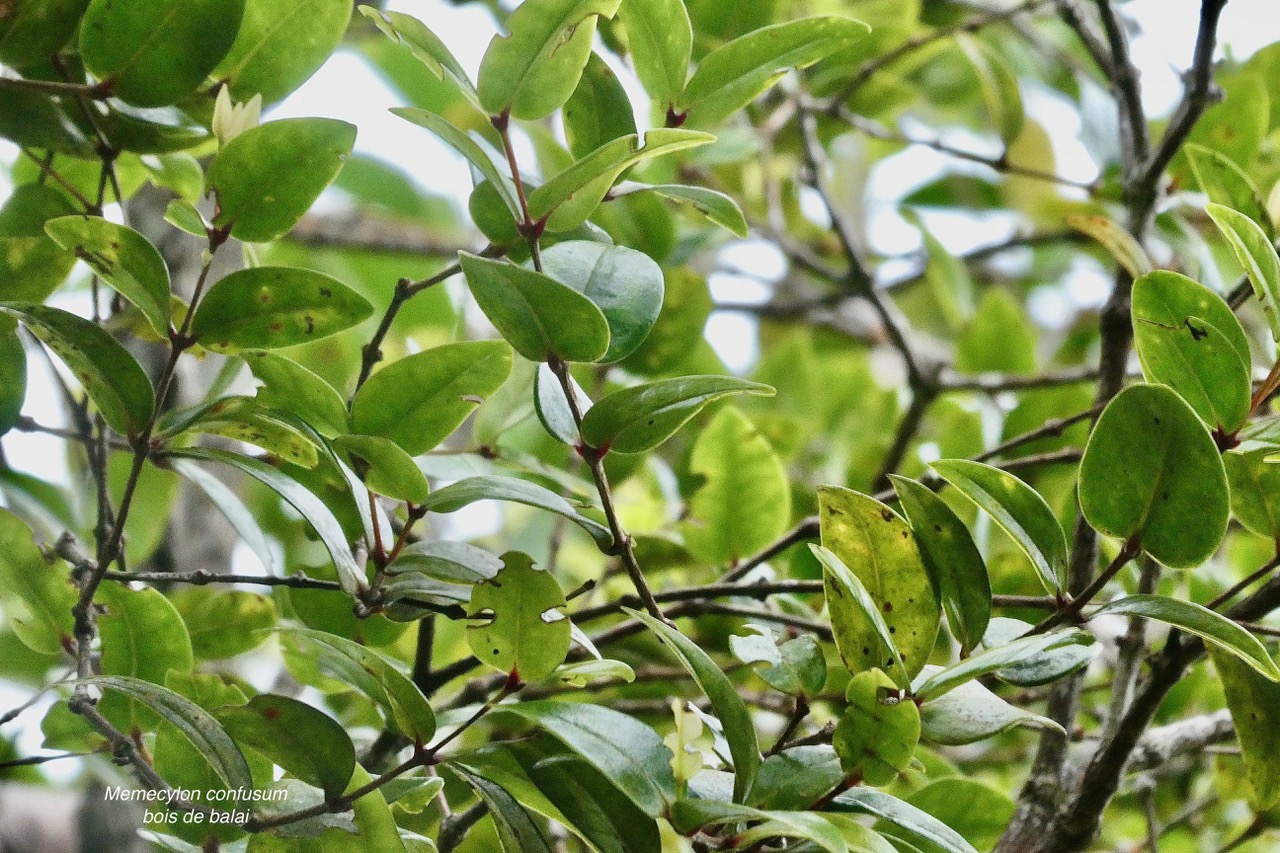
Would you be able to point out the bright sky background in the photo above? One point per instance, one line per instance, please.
(345, 88)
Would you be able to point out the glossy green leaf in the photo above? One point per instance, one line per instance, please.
(449, 561)
(469, 149)
(152, 56)
(1255, 492)
(36, 595)
(660, 39)
(37, 29)
(727, 705)
(195, 723)
(642, 417)
(232, 508)
(517, 622)
(900, 609)
(970, 713)
(585, 672)
(32, 265)
(952, 560)
(689, 815)
(539, 316)
(517, 831)
(112, 378)
(1189, 339)
(223, 623)
(569, 198)
(797, 777)
(685, 308)
(992, 659)
(13, 375)
(1214, 628)
(1018, 510)
(626, 286)
(314, 510)
(143, 637)
(383, 467)
(241, 418)
(375, 676)
(797, 667)
(1112, 236)
(998, 85)
(733, 75)
(370, 829)
(266, 178)
(978, 811)
(878, 730)
(743, 501)
(1255, 710)
(466, 492)
(125, 259)
(1256, 253)
(1150, 467)
(290, 387)
(629, 753)
(425, 46)
(307, 743)
(552, 406)
(271, 307)
(599, 110)
(918, 825)
(280, 44)
(418, 401)
(1225, 183)
(716, 206)
(1042, 668)
(533, 71)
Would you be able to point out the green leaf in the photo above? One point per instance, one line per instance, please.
(370, 829)
(629, 753)
(266, 178)
(689, 815)
(642, 417)
(517, 831)
(425, 46)
(317, 514)
(457, 562)
(243, 419)
(1255, 709)
(419, 401)
(1214, 628)
(919, 826)
(1151, 473)
(1256, 253)
(224, 623)
(625, 285)
(585, 672)
(716, 206)
(469, 149)
(1255, 492)
(571, 197)
(1189, 339)
(13, 375)
(281, 43)
(734, 74)
(517, 622)
(118, 386)
(538, 315)
(797, 777)
(875, 545)
(998, 85)
(151, 56)
(383, 467)
(976, 810)
(999, 337)
(307, 743)
(36, 594)
(739, 730)
(879, 729)
(552, 406)
(466, 492)
(125, 259)
(660, 40)
(534, 70)
(678, 332)
(599, 110)
(272, 307)
(37, 29)
(1043, 668)
(1127, 251)
(195, 723)
(143, 637)
(1018, 510)
(229, 504)
(375, 676)
(743, 501)
(290, 387)
(796, 667)
(1225, 183)
(992, 659)
(32, 265)
(970, 713)
(951, 559)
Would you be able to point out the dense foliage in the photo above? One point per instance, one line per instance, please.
(540, 572)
